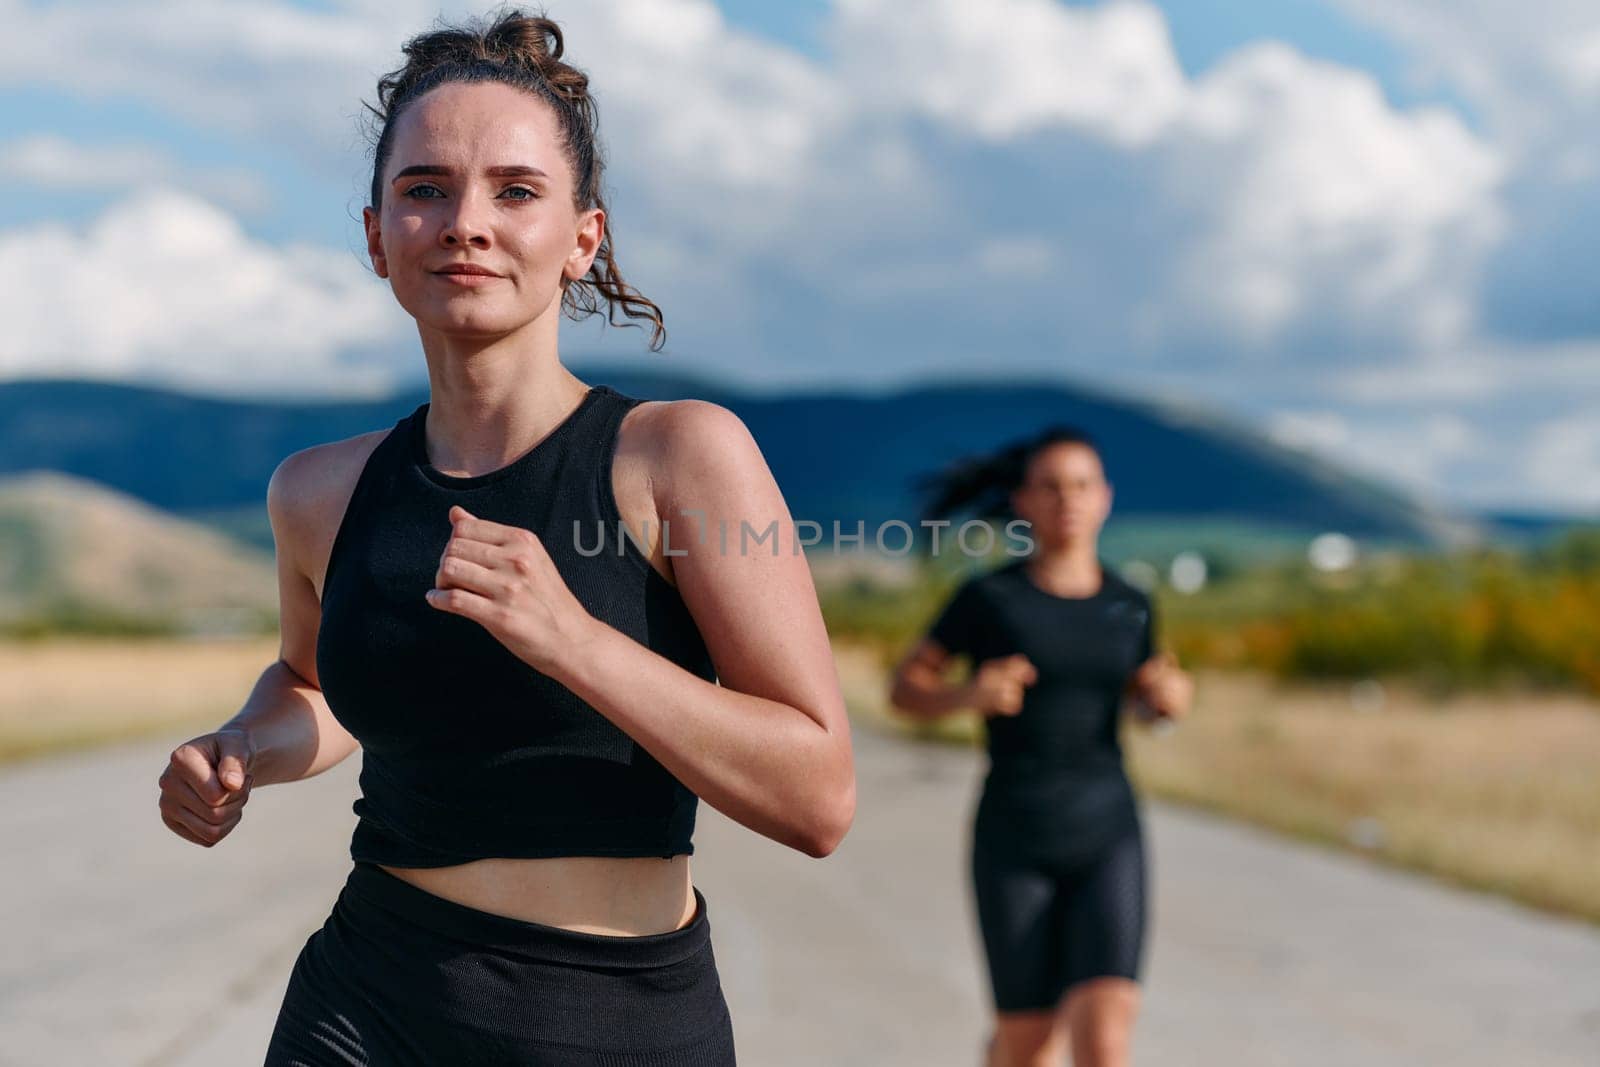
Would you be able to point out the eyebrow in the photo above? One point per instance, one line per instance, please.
(513, 171)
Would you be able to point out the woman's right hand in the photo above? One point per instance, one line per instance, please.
(997, 685)
(206, 783)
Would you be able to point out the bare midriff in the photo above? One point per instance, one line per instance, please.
(626, 896)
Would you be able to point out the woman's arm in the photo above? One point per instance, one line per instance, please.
(994, 688)
(286, 718)
(285, 730)
(1161, 687)
(770, 746)
(918, 688)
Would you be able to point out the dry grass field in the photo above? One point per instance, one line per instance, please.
(69, 692)
(1494, 791)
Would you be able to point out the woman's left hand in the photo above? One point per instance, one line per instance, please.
(1163, 686)
(502, 578)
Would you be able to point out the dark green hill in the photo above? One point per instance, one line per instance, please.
(844, 455)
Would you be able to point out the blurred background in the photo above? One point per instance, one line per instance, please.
(1318, 274)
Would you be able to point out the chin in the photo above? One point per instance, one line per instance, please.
(1077, 535)
(468, 321)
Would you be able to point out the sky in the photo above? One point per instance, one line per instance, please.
(1365, 227)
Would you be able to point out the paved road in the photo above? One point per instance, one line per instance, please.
(126, 945)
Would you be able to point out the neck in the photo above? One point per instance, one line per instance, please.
(493, 399)
(1067, 570)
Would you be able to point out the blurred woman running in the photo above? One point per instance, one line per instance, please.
(1059, 645)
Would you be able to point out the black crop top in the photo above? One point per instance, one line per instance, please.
(1056, 788)
(467, 751)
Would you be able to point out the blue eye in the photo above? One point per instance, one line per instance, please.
(413, 190)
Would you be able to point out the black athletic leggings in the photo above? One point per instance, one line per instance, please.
(398, 976)
(1046, 928)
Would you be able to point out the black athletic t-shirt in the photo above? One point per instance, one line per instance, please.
(1056, 789)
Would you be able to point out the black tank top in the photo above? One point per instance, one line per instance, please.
(1056, 789)
(467, 751)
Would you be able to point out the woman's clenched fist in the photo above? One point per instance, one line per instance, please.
(998, 685)
(205, 785)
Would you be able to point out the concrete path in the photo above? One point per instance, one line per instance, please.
(127, 945)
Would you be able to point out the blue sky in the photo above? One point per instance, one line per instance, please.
(1364, 226)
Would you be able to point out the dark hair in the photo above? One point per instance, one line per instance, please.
(523, 52)
(983, 484)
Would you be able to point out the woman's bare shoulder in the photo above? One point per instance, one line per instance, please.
(663, 447)
(671, 435)
(308, 493)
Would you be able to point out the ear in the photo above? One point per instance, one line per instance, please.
(380, 262)
(591, 230)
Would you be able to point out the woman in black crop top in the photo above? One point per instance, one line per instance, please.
(1057, 642)
(515, 601)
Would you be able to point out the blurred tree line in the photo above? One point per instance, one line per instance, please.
(1470, 618)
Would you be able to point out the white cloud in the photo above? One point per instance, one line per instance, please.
(1324, 431)
(55, 163)
(714, 101)
(1414, 450)
(720, 108)
(1579, 61)
(1480, 373)
(1528, 63)
(167, 286)
(251, 67)
(1532, 71)
(1330, 204)
(1563, 462)
(1013, 67)
(48, 160)
(1515, 449)
(1006, 257)
(1297, 202)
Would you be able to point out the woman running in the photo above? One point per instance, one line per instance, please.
(1057, 641)
(534, 683)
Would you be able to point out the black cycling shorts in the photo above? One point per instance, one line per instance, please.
(398, 976)
(1047, 927)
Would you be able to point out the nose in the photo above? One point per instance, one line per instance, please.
(465, 225)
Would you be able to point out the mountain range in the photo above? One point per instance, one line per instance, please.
(837, 454)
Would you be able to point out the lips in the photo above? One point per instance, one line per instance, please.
(467, 268)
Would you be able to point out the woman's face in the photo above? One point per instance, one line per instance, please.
(448, 199)
(1064, 496)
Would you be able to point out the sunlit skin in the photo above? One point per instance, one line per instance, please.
(523, 226)
(1066, 499)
